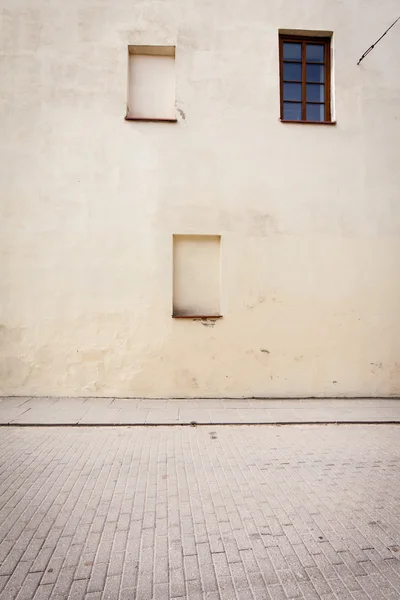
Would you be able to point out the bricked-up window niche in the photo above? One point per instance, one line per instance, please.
(305, 78)
(151, 83)
(196, 276)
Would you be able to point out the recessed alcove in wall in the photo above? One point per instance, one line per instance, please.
(196, 276)
(151, 83)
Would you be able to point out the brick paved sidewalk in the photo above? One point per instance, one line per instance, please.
(136, 411)
(200, 513)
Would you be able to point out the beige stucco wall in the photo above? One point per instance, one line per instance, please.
(309, 216)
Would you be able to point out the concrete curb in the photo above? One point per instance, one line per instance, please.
(196, 424)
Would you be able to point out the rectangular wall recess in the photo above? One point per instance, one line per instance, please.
(151, 83)
(196, 276)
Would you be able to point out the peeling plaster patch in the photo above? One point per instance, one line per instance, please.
(182, 114)
(89, 375)
(254, 303)
(261, 225)
(92, 356)
(10, 335)
(394, 375)
(255, 354)
(188, 380)
(14, 372)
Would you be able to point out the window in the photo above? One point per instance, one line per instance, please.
(196, 276)
(151, 83)
(305, 79)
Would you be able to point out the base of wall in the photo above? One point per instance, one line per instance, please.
(182, 398)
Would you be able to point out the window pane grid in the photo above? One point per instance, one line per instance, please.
(305, 66)
(292, 71)
(292, 91)
(315, 52)
(293, 50)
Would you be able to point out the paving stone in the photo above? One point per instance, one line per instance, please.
(11, 561)
(111, 588)
(78, 590)
(277, 558)
(208, 578)
(239, 576)
(126, 594)
(32, 550)
(145, 584)
(43, 592)
(194, 591)
(191, 567)
(215, 596)
(97, 577)
(308, 590)
(231, 551)
(5, 547)
(177, 583)
(73, 555)
(175, 557)
(161, 591)
(188, 545)
(116, 564)
(84, 569)
(289, 583)
(52, 571)
(276, 592)
(249, 561)
(63, 584)
(30, 584)
(3, 581)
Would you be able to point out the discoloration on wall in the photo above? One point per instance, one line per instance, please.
(207, 322)
(15, 372)
(252, 304)
(309, 216)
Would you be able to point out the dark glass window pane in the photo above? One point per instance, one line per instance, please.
(315, 112)
(315, 73)
(292, 71)
(291, 51)
(292, 91)
(315, 92)
(315, 52)
(292, 111)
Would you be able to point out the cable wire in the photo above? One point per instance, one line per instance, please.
(373, 45)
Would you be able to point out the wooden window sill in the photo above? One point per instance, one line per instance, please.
(200, 317)
(309, 122)
(151, 119)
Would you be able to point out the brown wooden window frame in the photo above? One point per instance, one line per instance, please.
(304, 40)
